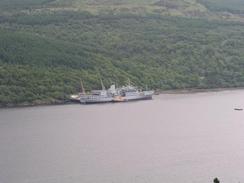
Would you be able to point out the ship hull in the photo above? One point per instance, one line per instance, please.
(132, 98)
(96, 101)
(135, 98)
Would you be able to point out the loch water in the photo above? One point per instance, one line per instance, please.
(174, 138)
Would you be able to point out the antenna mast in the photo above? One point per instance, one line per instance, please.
(129, 82)
(103, 87)
(82, 87)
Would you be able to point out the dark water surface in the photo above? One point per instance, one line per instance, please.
(175, 138)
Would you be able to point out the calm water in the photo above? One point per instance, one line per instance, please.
(171, 139)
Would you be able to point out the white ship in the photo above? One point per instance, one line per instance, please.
(131, 93)
(98, 96)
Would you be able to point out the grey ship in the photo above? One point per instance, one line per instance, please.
(113, 94)
(131, 93)
(98, 96)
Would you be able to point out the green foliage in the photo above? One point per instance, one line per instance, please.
(44, 54)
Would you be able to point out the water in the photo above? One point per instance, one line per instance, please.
(173, 138)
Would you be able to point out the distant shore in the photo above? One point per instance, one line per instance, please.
(197, 90)
(158, 92)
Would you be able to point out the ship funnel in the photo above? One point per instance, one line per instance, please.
(112, 89)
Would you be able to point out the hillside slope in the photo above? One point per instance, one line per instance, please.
(47, 46)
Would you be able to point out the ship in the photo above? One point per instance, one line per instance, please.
(113, 94)
(98, 96)
(132, 93)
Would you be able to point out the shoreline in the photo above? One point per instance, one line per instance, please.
(197, 90)
(37, 105)
(157, 92)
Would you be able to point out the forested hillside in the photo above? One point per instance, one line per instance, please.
(47, 46)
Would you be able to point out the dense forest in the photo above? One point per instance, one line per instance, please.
(47, 46)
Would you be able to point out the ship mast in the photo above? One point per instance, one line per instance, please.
(82, 87)
(129, 82)
(103, 87)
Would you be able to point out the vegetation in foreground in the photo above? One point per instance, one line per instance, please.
(47, 46)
